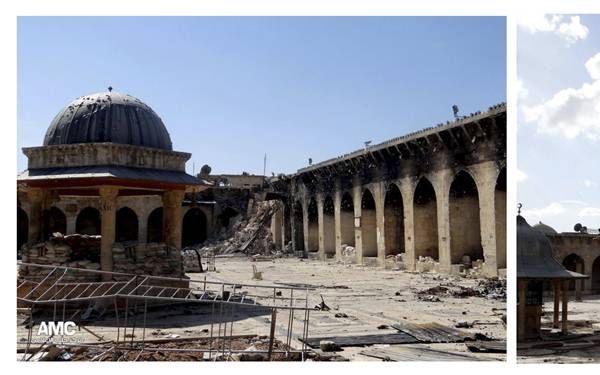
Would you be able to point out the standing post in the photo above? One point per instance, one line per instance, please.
(272, 333)
(556, 303)
(565, 302)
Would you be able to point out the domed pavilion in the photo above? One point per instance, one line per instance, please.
(101, 152)
(536, 269)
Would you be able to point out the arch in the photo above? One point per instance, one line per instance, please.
(155, 226)
(347, 220)
(226, 215)
(313, 226)
(22, 227)
(328, 227)
(500, 207)
(54, 221)
(425, 220)
(596, 275)
(298, 227)
(465, 229)
(194, 230)
(368, 223)
(575, 263)
(393, 219)
(88, 221)
(126, 227)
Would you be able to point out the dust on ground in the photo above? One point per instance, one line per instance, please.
(362, 300)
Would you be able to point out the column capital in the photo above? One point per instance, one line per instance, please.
(34, 194)
(173, 197)
(108, 197)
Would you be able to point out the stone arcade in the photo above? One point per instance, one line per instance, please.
(437, 194)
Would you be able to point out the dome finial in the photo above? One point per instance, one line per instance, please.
(109, 88)
(519, 206)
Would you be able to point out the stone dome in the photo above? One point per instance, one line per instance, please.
(546, 229)
(108, 117)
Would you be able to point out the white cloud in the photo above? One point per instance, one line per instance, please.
(589, 183)
(590, 211)
(568, 28)
(593, 66)
(553, 209)
(572, 111)
(521, 176)
(573, 201)
(522, 91)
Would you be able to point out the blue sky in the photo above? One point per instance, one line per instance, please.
(232, 89)
(559, 120)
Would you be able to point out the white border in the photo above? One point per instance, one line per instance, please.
(510, 8)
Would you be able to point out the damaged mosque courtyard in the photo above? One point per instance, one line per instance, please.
(396, 251)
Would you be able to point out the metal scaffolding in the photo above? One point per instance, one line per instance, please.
(66, 287)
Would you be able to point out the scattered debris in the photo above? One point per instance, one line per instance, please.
(322, 306)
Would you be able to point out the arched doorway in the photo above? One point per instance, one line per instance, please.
(329, 227)
(155, 226)
(22, 227)
(596, 275)
(298, 227)
(194, 227)
(500, 206)
(393, 218)
(88, 221)
(313, 226)
(54, 221)
(226, 216)
(575, 263)
(368, 223)
(347, 220)
(465, 229)
(425, 222)
(126, 225)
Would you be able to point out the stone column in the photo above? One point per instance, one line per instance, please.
(565, 302)
(407, 189)
(173, 219)
(485, 175)
(36, 198)
(357, 201)
(521, 316)
(379, 196)
(108, 210)
(321, 226)
(441, 182)
(337, 212)
(71, 223)
(555, 317)
(143, 225)
(305, 224)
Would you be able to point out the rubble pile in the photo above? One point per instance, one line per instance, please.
(251, 235)
(489, 288)
(145, 259)
(59, 251)
(83, 252)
